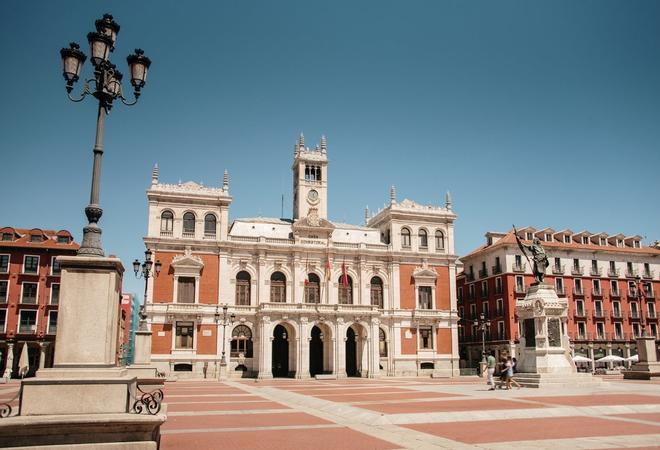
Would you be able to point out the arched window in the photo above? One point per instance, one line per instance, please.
(382, 343)
(405, 237)
(345, 291)
(278, 287)
(423, 238)
(188, 224)
(241, 341)
(166, 222)
(439, 240)
(376, 292)
(209, 225)
(312, 289)
(242, 288)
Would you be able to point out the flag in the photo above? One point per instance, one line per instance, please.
(327, 267)
(344, 279)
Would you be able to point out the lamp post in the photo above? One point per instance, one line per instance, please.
(149, 269)
(482, 324)
(107, 87)
(224, 321)
(640, 298)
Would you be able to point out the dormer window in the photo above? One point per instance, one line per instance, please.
(62, 239)
(567, 238)
(36, 238)
(530, 236)
(603, 241)
(548, 237)
(7, 237)
(585, 240)
(637, 244)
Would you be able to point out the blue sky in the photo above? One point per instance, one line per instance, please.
(529, 112)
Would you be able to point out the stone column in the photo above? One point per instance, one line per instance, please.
(9, 367)
(265, 349)
(609, 353)
(374, 371)
(591, 356)
(43, 351)
(340, 368)
(303, 353)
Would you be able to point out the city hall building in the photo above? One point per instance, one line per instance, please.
(305, 296)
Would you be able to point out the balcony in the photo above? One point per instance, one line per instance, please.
(497, 269)
(615, 293)
(648, 274)
(616, 314)
(558, 270)
(596, 271)
(519, 267)
(188, 235)
(631, 273)
(165, 233)
(209, 236)
(580, 314)
(616, 337)
(561, 291)
(483, 273)
(597, 292)
(578, 290)
(498, 289)
(579, 336)
(652, 315)
(521, 289)
(649, 295)
(469, 276)
(577, 270)
(613, 273)
(601, 336)
(599, 313)
(484, 293)
(634, 315)
(499, 312)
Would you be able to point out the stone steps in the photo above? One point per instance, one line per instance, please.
(537, 380)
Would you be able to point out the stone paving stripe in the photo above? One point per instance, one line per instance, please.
(249, 429)
(265, 404)
(642, 442)
(532, 429)
(241, 420)
(228, 413)
(300, 439)
(596, 400)
(388, 398)
(447, 405)
(218, 399)
(347, 391)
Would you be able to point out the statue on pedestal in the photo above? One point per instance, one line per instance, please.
(539, 257)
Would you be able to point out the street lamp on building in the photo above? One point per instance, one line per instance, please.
(224, 321)
(106, 87)
(149, 269)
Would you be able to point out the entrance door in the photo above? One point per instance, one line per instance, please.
(351, 354)
(280, 352)
(316, 352)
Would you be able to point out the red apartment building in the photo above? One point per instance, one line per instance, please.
(29, 294)
(610, 282)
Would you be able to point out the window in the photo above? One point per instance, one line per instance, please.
(654, 330)
(473, 311)
(618, 331)
(29, 295)
(485, 309)
(636, 329)
(425, 300)
(616, 309)
(634, 309)
(312, 289)
(614, 287)
(425, 338)
(167, 222)
(582, 330)
(594, 265)
(579, 307)
(596, 290)
(651, 310)
(548, 237)
(189, 224)
(499, 307)
(312, 173)
(471, 292)
(36, 238)
(28, 322)
(558, 263)
(405, 237)
(242, 288)
(185, 332)
(600, 330)
(52, 322)
(423, 238)
(209, 225)
(4, 263)
(55, 294)
(585, 240)
(3, 320)
(559, 285)
(648, 290)
(7, 237)
(576, 263)
(498, 285)
(345, 292)
(598, 307)
(4, 290)
(530, 236)
(277, 287)
(382, 343)
(439, 240)
(55, 266)
(520, 284)
(484, 289)
(603, 241)
(241, 341)
(460, 294)
(501, 334)
(31, 264)
(637, 244)
(62, 239)
(376, 292)
(185, 290)
(578, 286)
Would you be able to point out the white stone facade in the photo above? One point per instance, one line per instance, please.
(282, 280)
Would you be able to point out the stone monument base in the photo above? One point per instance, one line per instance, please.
(648, 365)
(543, 380)
(82, 431)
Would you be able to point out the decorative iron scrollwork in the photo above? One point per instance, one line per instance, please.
(5, 408)
(148, 402)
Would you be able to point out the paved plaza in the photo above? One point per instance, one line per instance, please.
(404, 413)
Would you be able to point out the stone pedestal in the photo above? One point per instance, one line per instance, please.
(85, 390)
(544, 351)
(142, 367)
(648, 365)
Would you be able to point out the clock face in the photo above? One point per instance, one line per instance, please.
(313, 195)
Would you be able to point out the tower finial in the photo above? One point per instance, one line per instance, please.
(392, 195)
(225, 181)
(301, 141)
(448, 200)
(154, 174)
(366, 214)
(324, 145)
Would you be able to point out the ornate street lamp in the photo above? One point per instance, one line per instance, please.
(107, 87)
(483, 325)
(224, 322)
(149, 269)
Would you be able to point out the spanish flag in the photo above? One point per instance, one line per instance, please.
(344, 279)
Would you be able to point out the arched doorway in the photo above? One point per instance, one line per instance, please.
(316, 352)
(351, 353)
(280, 352)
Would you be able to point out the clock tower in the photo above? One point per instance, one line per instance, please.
(310, 179)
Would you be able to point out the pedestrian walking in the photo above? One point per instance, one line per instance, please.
(490, 369)
(507, 373)
(514, 364)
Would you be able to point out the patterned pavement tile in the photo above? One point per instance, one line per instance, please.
(241, 421)
(449, 405)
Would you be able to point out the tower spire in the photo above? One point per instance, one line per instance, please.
(225, 181)
(154, 174)
(366, 214)
(448, 201)
(392, 195)
(324, 145)
(301, 141)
